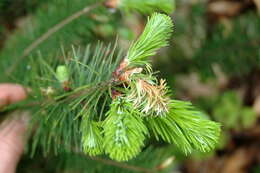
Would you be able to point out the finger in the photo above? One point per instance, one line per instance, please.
(12, 133)
(11, 93)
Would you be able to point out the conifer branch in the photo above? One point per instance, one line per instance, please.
(50, 32)
(148, 6)
(99, 105)
(144, 6)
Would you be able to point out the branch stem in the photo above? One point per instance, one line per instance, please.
(122, 165)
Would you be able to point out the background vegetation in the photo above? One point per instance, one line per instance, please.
(213, 60)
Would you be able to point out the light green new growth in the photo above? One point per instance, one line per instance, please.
(155, 36)
(91, 138)
(124, 131)
(62, 73)
(185, 127)
(148, 6)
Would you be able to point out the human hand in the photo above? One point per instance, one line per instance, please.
(11, 130)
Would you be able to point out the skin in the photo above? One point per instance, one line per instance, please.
(12, 131)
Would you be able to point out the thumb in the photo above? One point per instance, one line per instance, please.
(11, 93)
(12, 133)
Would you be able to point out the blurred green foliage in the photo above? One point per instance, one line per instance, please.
(234, 46)
(231, 112)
